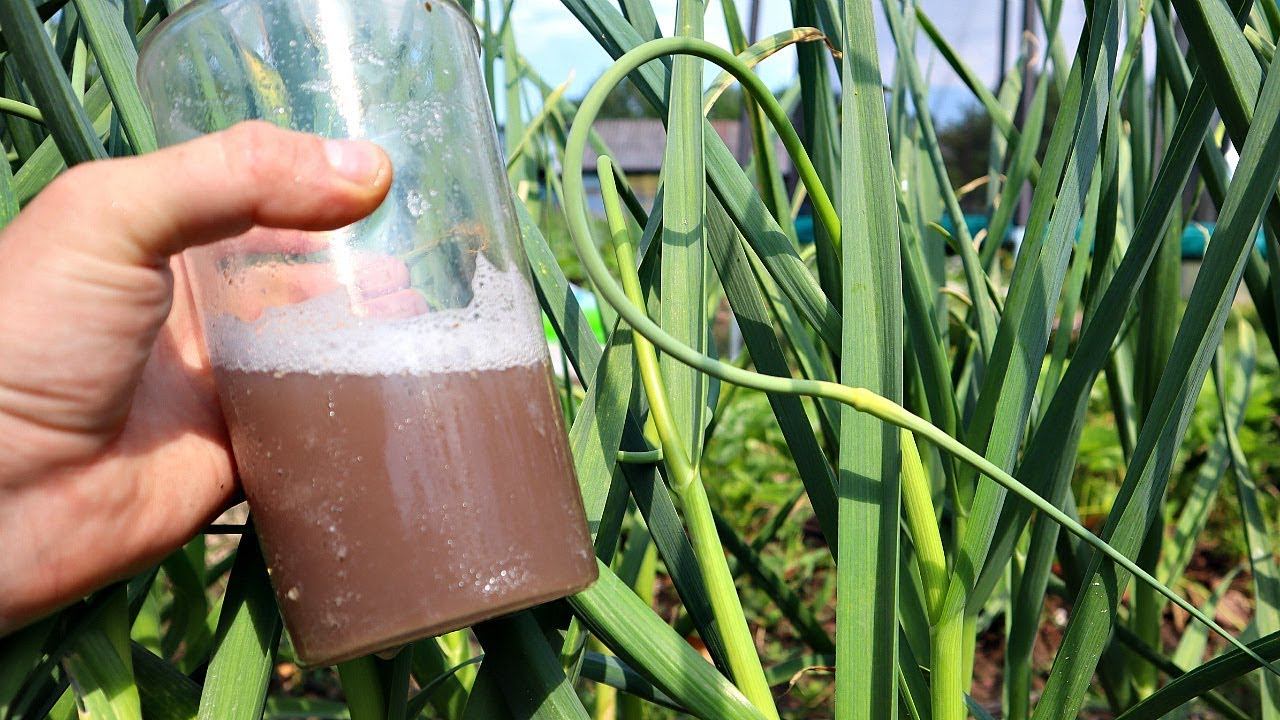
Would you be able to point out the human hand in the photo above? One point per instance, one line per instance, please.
(380, 288)
(113, 450)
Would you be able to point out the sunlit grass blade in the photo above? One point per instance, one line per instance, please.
(609, 670)
(644, 642)
(534, 128)
(532, 680)
(684, 248)
(68, 123)
(764, 158)
(756, 54)
(249, 628)
(1017, 172)
(116, 56)
(1192, 644)
(1225, 54)
(811, 361)
(362, 684)
(1072, 291)
(867, 489)
(19, 109)
(768, 579)
(821, 136)
(1071, 155)
(188, 621)
(640, 14)
(64, 708)
(728, 180)
(46, 160)
(683, 474)
(1219, 46)
(1258, 537)
(1213, 165)
(100, 664)
(1000, 117)
(983, 306)
(1201, 680)
(8, 196)
(651, 496)
(1198, 336)
(24, 135)
(745, 300)
(1048, 459)
(1015, 366)
(438, 682)
(595, 437)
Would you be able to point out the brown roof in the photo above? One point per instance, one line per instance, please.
(637, 144)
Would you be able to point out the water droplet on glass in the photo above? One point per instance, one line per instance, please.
(415, 204)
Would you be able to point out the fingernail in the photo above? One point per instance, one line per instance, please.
(358, 161)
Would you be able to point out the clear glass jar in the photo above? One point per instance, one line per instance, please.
(386, 385)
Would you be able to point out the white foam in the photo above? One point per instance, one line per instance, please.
(497, 329)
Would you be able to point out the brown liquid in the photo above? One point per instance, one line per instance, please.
(401, 506)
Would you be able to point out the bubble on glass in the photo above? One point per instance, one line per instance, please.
(416, 204)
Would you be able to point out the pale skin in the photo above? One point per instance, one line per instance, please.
(113, 450)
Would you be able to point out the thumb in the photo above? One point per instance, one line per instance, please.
(84, 276)
(146, 208)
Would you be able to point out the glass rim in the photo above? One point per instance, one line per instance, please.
(195, 7)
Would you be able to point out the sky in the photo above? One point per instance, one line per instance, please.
(557, 45)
